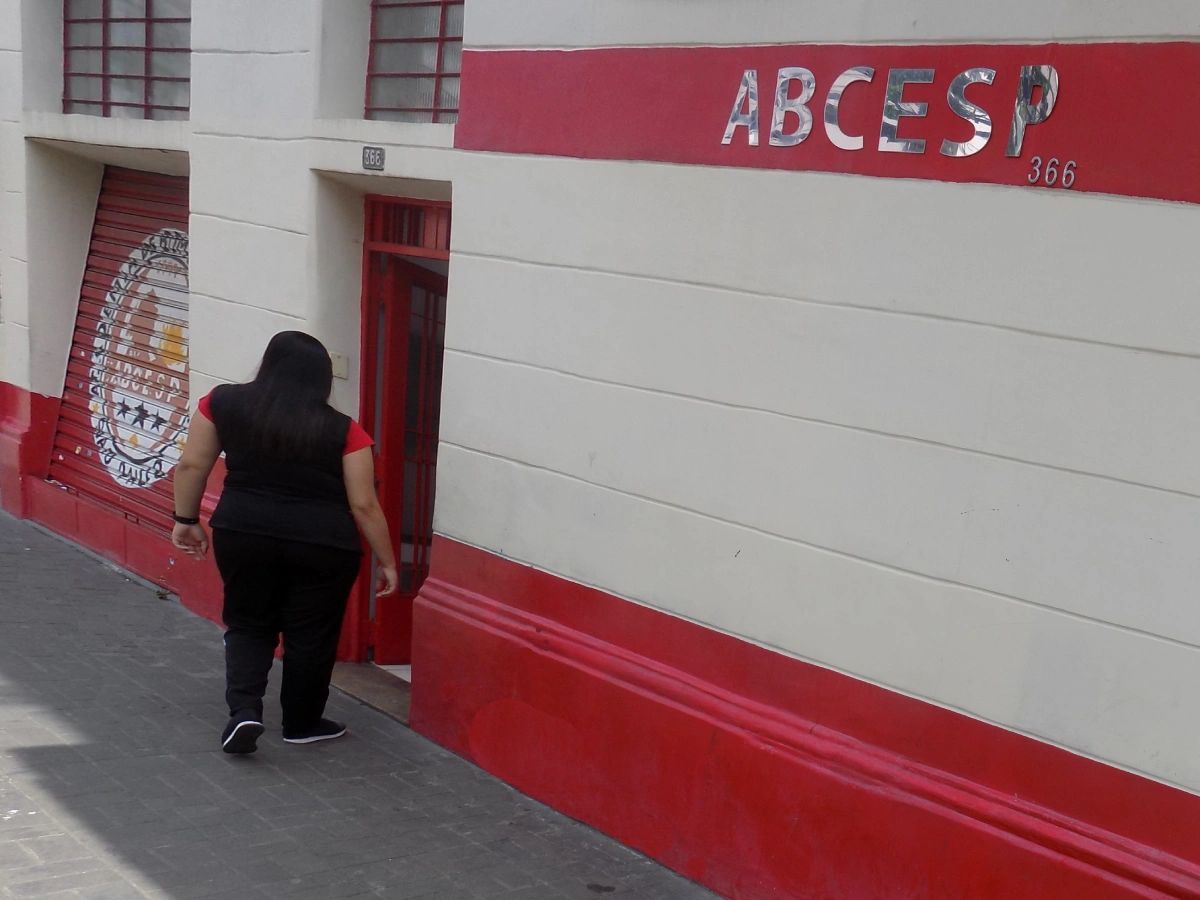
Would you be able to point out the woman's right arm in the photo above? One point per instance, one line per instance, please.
(200, 454)
(358, 471)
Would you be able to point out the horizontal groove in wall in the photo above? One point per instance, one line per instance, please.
(198, 214)
(841, 554)
(369, 135)
(249, 306)
(458, 252)
(828, 423)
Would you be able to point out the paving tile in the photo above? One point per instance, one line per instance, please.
(113, 787)
(50, 885)
(110, 892)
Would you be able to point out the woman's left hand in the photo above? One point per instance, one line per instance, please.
(191, 539)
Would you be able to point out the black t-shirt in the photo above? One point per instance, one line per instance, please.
(288, 498)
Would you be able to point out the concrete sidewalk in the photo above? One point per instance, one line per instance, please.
(112, 784)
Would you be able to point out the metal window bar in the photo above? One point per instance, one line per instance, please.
(105, 104)
(441, 108)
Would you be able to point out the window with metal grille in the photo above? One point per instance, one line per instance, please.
(415, 60)
(127, 58)
(409, 227)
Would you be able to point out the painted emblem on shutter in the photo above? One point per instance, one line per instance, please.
(139, 367)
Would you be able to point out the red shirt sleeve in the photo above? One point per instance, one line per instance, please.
(205, 407)
(356, 438)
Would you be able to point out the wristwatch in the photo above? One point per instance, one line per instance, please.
(186, 520)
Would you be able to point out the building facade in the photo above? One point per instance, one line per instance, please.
(785, 409)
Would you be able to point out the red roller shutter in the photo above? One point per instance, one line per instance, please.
(125, 402)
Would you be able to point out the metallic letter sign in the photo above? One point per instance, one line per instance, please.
(797, 105)
(894, 107)
(935, 108)
(833, 102)
(1044, 77)
(956, 96)
(748, 97)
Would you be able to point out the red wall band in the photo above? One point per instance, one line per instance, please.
(1123, 120)
(760, 775)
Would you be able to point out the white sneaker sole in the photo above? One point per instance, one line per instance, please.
(314, 738)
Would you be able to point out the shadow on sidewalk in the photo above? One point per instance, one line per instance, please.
(112, 784)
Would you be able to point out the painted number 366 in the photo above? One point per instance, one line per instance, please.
(1050, 174)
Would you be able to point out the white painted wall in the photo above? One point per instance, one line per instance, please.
(928, 456)
(14, 335)
(39, 26)
(268, 81)
(824, 438)
(277, 97)
(50, 166)
(14, 330)
(887, 433)
(58, 228)
(276, 237)
(342, 44)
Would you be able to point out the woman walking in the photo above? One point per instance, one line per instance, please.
(300, 477)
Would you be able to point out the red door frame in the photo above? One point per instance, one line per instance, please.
(395, 228)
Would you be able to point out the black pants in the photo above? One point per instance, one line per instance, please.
(275, 587)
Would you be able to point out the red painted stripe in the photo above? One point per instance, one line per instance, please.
(27, 426)
(26, 435)
(755, 772)
(1126, 113)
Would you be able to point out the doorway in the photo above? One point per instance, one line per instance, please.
(406, 256)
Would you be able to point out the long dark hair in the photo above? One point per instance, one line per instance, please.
(286, 406)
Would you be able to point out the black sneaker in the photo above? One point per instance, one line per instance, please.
(325, 730)
(241, 735)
